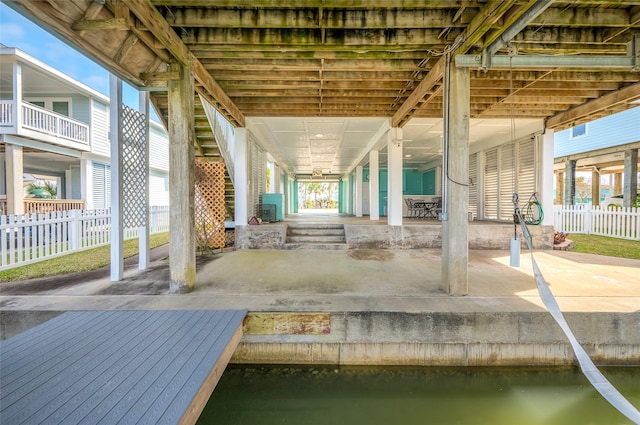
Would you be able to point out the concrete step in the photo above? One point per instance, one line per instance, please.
(299, 231)
(316, 226)
(316, 239)
(320, 246)
(315, 236)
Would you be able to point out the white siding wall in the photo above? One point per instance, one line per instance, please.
(80, 108)
(158, 189)
(614, 130)
(100, 128)
(158, 148)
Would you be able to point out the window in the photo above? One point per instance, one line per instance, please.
(61, 106)
(579, 131)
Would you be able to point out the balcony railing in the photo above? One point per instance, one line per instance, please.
(44, 121)
(32, 206)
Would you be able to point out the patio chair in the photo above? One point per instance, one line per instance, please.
(411, 210)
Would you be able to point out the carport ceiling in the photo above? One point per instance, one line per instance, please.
(364, 58)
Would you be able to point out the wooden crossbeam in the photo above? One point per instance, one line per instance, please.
(152, 19)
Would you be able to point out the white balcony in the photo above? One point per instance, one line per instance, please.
(44, 125)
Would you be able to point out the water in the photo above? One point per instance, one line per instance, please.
(260, 395)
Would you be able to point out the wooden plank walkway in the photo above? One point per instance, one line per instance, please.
(124, 367)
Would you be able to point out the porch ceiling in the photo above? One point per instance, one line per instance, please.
(328, 63)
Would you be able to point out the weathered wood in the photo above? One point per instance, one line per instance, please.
(101, 24)
(155, 22)
(116, 366)
(276, 323)
(625, 95)
(182, 239)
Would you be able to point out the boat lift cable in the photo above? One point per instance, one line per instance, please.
(589, 369)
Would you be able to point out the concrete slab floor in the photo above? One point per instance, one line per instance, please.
(353, 280)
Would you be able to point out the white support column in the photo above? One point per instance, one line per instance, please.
(546, 176)
(15, 169)
(346, 194)
(144, 256)
(3, 174)
(358, 194)
(374, 186)
(182, 235)
(455, 227)
(394, 177)
(86, 183)
(17, 97)
(630, 188)
(241, 179)
(115, 138)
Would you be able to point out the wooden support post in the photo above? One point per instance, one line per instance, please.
(630, 189)
(559, 187)
(455, 225)
(570, 182)
(182, 241)
(595, 187)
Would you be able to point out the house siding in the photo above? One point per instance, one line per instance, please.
(100, 128)
(158, 148)
(614, 130)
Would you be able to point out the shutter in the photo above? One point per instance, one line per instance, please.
(526, 170)
(491, 184)
(107, 186)
(473, 188)
(98, 177)
(507, 182)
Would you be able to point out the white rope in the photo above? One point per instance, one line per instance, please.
(589, 369)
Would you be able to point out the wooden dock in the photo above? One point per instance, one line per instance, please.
(108, 367)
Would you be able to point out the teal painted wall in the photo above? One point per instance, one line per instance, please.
(413, 183)
(295, 196)
(429, 183)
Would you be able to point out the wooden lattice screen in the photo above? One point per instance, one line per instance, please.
(209, 204)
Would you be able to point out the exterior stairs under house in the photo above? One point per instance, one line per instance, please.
(315, 236)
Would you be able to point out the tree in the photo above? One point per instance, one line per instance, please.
(583, 189)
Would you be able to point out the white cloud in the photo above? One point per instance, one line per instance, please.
(11, 31)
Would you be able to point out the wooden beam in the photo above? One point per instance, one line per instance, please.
(101, 25)
(126, 47)
(92, 12)
(624, 95)
(152, 19)
(334, 4)
(474, 32)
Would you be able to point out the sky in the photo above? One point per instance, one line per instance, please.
(19, 32)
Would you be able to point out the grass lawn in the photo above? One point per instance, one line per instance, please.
(90, 259)
(603, 245)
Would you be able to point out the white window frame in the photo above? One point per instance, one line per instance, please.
(48, 102)
(580, 136)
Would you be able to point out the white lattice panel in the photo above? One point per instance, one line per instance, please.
(134, 168)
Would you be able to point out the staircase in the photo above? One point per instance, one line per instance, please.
(315, 236)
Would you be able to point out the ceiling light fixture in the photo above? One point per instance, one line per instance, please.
(319, 135)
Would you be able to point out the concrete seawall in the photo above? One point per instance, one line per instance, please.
(419, 339)
(449, 339)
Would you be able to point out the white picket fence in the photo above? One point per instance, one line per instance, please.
(29, 238)
(623, 223)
